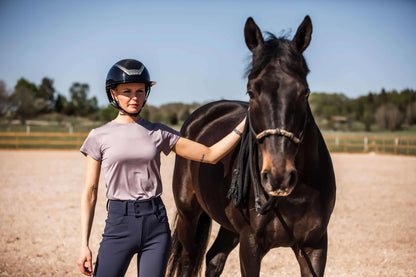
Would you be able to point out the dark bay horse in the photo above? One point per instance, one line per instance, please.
(276, 189)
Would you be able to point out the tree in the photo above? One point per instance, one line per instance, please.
(108, 113)
(145, 113)
(185, 114)
(60, 103)
(388, 117)
(368, 119)
(22, 100)
(80, 104)
(4, 97)
(46, 94)
(327, 105)
(171, 118)
(411, 114)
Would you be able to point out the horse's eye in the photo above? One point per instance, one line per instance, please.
(307, 93)
(250, 94)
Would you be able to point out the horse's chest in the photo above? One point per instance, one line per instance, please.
(293, 220)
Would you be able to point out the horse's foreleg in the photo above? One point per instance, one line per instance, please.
(225, 242)
(187, 227)
(251, 255)
(312, 260)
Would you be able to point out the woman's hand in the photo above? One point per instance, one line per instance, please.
(85, 261)
(88, 202)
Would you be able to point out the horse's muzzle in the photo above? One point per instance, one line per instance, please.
(279, 185)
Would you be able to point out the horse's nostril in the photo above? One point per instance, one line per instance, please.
(292, 177)
(265, 176)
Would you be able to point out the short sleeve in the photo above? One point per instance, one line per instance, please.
(91, 146)
(169, 139)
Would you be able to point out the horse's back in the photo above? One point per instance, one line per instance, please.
(207, 125)
(202, 125)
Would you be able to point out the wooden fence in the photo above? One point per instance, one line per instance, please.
(335, 143)
(15, 140)
(379, 144)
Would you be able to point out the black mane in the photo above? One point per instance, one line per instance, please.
(279, 48)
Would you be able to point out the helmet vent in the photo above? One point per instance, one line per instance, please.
(131, 71)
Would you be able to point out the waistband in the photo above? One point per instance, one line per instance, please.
(135, 207)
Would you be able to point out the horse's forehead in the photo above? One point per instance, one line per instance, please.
(275, 73)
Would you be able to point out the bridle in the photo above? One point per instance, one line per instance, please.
(278, 131)
(247, 170)
(272, 200)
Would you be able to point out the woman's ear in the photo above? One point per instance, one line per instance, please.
(113, 94)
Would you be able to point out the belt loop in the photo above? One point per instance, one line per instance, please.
(107, 205)
(153, 205)
(126, 207)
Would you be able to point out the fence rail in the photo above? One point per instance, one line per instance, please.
(15, 140)
(336, 143)
(380, 144)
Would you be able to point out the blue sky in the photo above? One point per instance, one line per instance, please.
(195, 50)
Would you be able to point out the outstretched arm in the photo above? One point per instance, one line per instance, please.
(198, 152)
(88, 202)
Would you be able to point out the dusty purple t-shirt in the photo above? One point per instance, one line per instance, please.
(130, 156)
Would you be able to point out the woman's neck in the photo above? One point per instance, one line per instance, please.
(125, 118)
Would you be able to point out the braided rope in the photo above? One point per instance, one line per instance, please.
(279, 132)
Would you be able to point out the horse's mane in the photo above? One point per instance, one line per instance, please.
(279, 48)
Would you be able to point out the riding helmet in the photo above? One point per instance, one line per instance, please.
(127, 71)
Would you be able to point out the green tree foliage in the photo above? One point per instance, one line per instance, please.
(363, 109)
(22, 100)
(145, 114)
(411, 114)
(60, 103)
(4, 98)
(46, 95)
(80, 104)
(389, 110)
(28, 100)
(326, 105)
(108, 113)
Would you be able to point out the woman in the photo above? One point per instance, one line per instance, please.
(127, 150)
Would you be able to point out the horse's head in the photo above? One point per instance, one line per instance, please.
(278, 111)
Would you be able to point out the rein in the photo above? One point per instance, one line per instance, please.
(245, 173)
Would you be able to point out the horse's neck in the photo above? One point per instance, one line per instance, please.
(310, 147)
(315, 160)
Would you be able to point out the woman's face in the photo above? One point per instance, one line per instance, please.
(130, 96)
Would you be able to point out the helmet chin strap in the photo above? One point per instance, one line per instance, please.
(131, 114)
(115, 104)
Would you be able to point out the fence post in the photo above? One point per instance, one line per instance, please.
(27, 129)
(396, 145)
(407, 148)
(365, 144)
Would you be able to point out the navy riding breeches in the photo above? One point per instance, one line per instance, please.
(134, 227)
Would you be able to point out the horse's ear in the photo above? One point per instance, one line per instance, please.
(303, 35)
(252, 34)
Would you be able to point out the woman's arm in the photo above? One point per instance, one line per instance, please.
(198, 152)
(88, 202)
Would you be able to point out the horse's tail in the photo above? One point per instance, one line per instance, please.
(176, 264)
